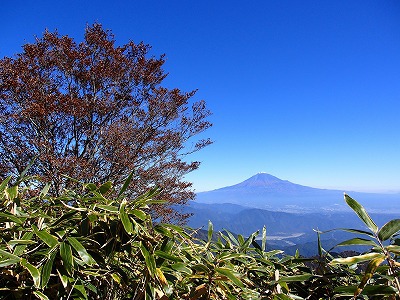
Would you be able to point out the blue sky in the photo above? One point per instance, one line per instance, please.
(308, 91)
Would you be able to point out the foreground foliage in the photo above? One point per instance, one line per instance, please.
(91, 243)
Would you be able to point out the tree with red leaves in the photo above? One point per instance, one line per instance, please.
(96, 112)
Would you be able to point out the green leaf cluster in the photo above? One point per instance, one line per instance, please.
(94, 243)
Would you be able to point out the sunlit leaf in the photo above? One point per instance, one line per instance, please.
(357, 241)
(161, 277)
(389, 229)
(394, 249)
(228, 273)
(66, 256)
(167, 256)
(12, 192)
(105, 187)
(210, 231)
(149, 260)
(20, 242)
(33, 271)
(282, 297)
(264, 238)
(139, 214)
(368, 290)
(8, 262)
(46, 269)
(80, 288)
(40, 295)
(372, 266)
(361, 212)
(181, 267)
(356, 259)
(66, 216)
(46, 237)
(20, 248)
(86, 257)
(302, 277)
(126, 222)
(45, 190)
(23, 173)
(72, 207)
(4, 183)
(7, 254)
(108, 208)
(126, 184)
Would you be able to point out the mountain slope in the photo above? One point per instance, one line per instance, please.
(269, 192)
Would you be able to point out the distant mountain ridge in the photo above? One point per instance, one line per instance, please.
(266, 191)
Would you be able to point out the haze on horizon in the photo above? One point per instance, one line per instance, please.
(306, 91)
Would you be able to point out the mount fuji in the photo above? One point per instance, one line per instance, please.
(265, 191)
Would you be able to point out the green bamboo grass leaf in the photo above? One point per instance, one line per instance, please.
(295, 278)
(84, 255)
(46, 270)
(149, 260)
(282, 297)
(64, 278)
(90, 186)
(12, 192)
(347, 230)
(167, 256)
(46, 237)
(181, 267)
(20, 242)
(230, 275)
(173, 227)
(33, 271)
(21, 176)
(126, 222)
(256, 245)
(126, 184)
(357, 241)
(40, 295)
(389, 229)
(240, 239)
(45, 190)
(370, 270)
(7, 255)
(8, 262)
(73, 208)
(249, 240)
(19, 249)
(210, 231)
(109, 208)
(357, 231)
(7, 217)
(105, 187)
(320, 249)
(140, 214)
(264, 238)
(361, 212)
(201, 268)
(64, 217)
(232, 238)
(4, 184)
(373, 290)
(164, 231)
(356, 259)
(80, 288)
(67, 258)
(394, 249)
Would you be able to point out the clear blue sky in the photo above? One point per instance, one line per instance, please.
(308, 91)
